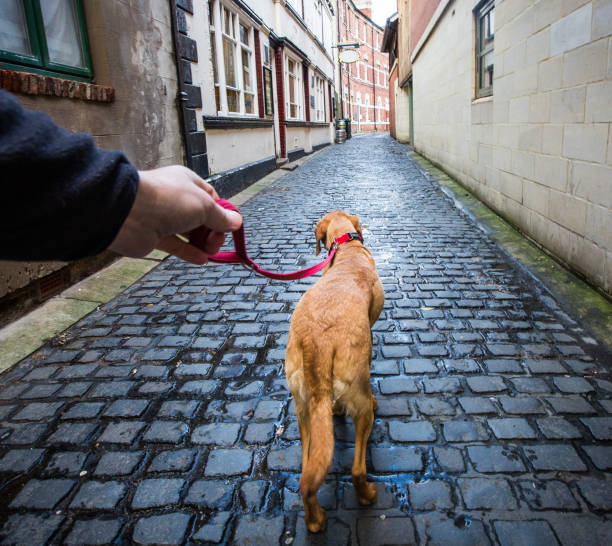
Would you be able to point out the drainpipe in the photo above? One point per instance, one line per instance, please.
(339, 63)
(181, 95)
(374, 79)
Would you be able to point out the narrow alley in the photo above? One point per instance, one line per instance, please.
(164, 415)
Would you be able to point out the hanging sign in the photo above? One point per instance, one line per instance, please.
(348, 56)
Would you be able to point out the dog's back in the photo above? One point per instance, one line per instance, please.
(327, 362)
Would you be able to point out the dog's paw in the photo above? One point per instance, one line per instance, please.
(317, 521)
(367, 493)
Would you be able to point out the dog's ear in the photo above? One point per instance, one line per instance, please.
(321, 233)
(356, 225)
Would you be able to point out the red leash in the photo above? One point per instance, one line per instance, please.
(198, 237)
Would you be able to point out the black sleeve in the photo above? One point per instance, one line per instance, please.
(62, 198)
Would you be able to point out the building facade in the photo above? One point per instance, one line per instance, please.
(103, 68)
(396, 33)
(264, 70)
(513, 99)
(363, 86)
(230, 88)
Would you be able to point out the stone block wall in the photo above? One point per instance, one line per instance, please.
(129, 106)
(539, 151)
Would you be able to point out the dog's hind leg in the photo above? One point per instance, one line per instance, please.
(366, 492)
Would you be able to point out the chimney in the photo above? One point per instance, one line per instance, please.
(364, 6)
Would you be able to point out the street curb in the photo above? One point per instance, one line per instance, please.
(29, 333)
(578, 299)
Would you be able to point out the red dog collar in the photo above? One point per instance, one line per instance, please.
(198, 237)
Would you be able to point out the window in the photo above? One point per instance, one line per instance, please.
(267, 82)
(378, 73)
(318, 20)
(485, 31)
(319, 97)
(266, 55)
(45, 36)
(367, 107)
(232, 46)
(378, 109)
(248, 73)
(294, 91)
(213, 54)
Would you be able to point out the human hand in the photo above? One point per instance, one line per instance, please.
(171, 201)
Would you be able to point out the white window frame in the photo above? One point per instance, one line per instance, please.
(367, 107)
(319, 94)
(318, 20)
(222, 10)
(298, 90)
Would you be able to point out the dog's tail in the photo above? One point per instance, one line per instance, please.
(321, 451)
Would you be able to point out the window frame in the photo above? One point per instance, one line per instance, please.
(39, 62)
(482, 11)
(298, 90)
(217, 36)
(319, 94)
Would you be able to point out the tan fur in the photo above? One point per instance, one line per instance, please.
(328, 361)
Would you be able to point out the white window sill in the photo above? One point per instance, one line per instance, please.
(483, 99)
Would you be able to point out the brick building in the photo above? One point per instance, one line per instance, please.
(363, 86)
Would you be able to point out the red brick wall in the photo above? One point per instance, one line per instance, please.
(421, 12)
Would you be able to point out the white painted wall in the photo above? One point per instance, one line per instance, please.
(298, 137)
(539, 151)
(319, 135)
(402, 112)
(231, 148)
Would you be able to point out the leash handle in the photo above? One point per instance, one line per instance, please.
(198, 236)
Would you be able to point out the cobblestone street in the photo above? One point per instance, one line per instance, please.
(164, 416)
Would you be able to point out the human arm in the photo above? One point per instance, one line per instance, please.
(62, 198)
(170, 201)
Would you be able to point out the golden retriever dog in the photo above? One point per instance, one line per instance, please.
(328, 358)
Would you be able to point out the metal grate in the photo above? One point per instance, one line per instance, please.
(50, 285)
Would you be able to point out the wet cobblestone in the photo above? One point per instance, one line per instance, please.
(164, 416)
